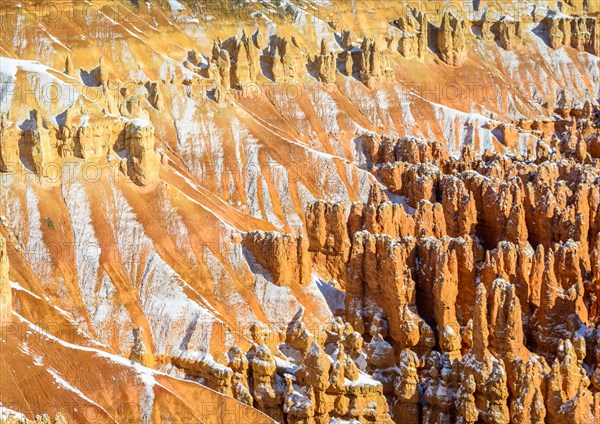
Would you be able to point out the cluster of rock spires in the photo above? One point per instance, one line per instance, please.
(580, 32)
(329, 379)
(235, 64)
(507, 31)
(40, 419)
(42, 148)
(486, 280)
(412, 43)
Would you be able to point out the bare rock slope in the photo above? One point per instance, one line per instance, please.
(300, 212)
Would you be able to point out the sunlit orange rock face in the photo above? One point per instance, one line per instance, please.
(299, 212)
(5, 291)
(496, 313)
